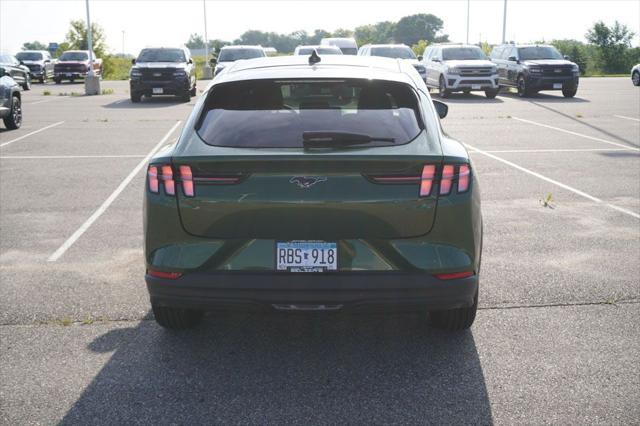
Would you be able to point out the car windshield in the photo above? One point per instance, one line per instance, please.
(161, 55)
(74, 56)
(271, 113)
(320, 50)
(29, 56)
(400, 52)
(538, 52)
(462, 53)
(230, 55)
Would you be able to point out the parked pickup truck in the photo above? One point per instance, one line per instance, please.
(74, 64)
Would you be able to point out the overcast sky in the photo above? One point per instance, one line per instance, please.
(169, 22)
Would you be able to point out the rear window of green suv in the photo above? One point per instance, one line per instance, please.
(276, 113)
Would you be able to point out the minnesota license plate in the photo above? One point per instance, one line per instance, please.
(306, 256)
(557, 85)
(158, 91)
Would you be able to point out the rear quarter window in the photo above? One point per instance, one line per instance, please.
(275, 114)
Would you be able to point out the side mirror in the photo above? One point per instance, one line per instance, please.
(420, 58)
(512, 59)
(441, 108)
(567, 57)
(21, 62)
(436, 60)
(190, 61)
(213, 61)
(133, 61)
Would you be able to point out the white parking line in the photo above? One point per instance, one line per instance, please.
(32, 133)
(627, 118)
(105, 205)
(555, 182)
(55, 157)
(576, 134)
(526, 151)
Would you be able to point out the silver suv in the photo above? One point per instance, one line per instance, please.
(460, 68)
(396, 51)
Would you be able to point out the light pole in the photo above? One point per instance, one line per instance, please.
(207, 72)
(123, 43)
(91, 81)
(504, 23)
(468, 4)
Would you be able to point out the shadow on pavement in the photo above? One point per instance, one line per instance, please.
(146, 102)
(471, 98)
(274, 368)
(544, 97)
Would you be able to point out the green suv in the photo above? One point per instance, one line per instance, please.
(313, 184)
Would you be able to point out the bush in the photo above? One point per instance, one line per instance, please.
(116, 67)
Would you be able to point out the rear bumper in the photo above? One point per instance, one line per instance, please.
(335, 290)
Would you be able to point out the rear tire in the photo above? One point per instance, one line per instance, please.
(569, 92)
(14, 119)
(193, 90)
(635, 78)
(176, 318)
(57, 80)
(27, 83)
(455, 319)
(523, 90)
(491, 93)
(442, 88)
(135, 97)
(186, 96)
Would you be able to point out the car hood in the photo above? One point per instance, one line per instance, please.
(551, 62)
(160, 65)
(469, 63)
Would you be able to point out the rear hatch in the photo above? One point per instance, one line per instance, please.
(267, 170)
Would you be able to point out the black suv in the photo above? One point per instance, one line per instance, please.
(532, 68)
(163, 71)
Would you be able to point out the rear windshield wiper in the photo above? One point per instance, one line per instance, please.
(339, 139)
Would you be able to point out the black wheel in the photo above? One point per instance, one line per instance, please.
(57, 80)
(72, 79)
(14, 119)
(442, 88)
(135, 97)
(523, 90)
(636, 78)
(455, 319)
(43, 79)
(569, 92)
(27, 83)
(176, 318)
(186, 96)
(491, 93)
(193, 90)
(466, 91)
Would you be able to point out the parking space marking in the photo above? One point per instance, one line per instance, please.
(576, 134)
(627, 118)
(525, 151)
(32, 133)
(555, 182)
(64, 157)
(105, 205)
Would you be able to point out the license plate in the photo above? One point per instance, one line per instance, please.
(475, 86)
(306, 256)
(68, 74)
(557, 85)
(158, 91)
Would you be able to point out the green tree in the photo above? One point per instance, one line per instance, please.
(76, 37)
(342, 32)
(196, 41)
(612, 44)
(419, 47)
(318, 35)
(575, 50)
(413, 28)
(34, 45)
(382, 32)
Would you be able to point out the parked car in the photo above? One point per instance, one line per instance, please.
(39, 63)
(163, 71)
(16, 70)
(302, 185)
(10, 100)
(460, 68)
(75, 64)
(321, 50)
(635, 75)
(348, 45)
(397, 51)
(230, 54)
(532, 68)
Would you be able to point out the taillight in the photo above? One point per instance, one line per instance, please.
(164, 275)
(187, 181)
(152, 176)
(447, 178)
(426, 180)
(454, 275)
(167, 179)
(463, 178)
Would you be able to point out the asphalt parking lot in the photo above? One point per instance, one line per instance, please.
(556, 340)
